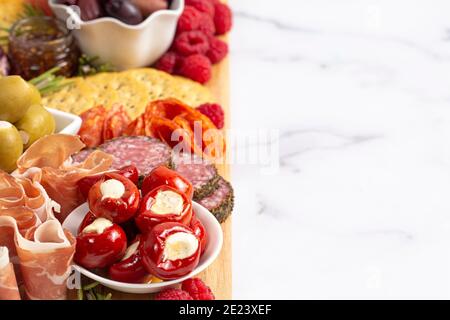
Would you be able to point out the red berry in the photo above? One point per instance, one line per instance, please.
(196, 67)
(218, 50)
(197, 289)
(214, 112)
(191, 42)
(189, 20)
(223, 18)
(173, 294)
(205, 6)
(207, 25)
(167, 62)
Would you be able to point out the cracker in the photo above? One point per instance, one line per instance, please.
(133, 88)
(10, 11)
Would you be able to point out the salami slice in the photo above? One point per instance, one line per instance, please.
(144, 152)
(221, 201)
(82, 155)
(200, 172)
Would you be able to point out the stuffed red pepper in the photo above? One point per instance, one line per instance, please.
(200, 231)
(164, 176)
(114, 197)
(100, 244)
(163, 204)
(85, 184)
(170, 250)
(130, 268)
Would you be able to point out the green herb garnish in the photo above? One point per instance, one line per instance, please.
(49, 82)
(88, 66)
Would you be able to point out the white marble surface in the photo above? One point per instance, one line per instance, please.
(360, 93)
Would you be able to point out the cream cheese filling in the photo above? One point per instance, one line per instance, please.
(168, 202)
(112, 188)
(180, 245)
(98, 226)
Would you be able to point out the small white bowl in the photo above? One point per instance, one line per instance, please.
(65, 122)
(124, 46)
(213, 247)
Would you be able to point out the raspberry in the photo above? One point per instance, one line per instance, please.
(214, 112)
(173, 294)
(218, 50)
(223, 18)
(207, 25)
(196, 67)
(197, 289)
(205, 6)
(191, 42)
(167, 62)
(189, 20)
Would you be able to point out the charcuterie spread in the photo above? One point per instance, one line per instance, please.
(139, 160)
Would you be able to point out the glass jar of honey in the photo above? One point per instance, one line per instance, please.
(37, 44)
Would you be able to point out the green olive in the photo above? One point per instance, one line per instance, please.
(35, 124)
(16, 96)
(11, 146)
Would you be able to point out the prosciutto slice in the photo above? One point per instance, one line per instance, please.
(39, 248)
(28, 203)
(48, 161)
(25, 195)
(45, 256)
(8, 284)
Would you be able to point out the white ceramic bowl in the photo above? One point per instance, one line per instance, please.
(213, 247)
(125, 46)
(65, 122)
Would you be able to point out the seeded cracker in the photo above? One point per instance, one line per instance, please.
(9, 12)
(133, 88)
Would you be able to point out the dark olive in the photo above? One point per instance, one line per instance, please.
(90, 9)
(123, 10)
(67, 2)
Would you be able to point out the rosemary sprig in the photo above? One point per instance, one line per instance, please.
(49, 82)
(88, 66)
(93, 291)
(80, 294)
(90, 286)
(30, 10)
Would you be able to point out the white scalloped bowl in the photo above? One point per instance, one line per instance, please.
(65, 122)
(213, 247)
(124, 46)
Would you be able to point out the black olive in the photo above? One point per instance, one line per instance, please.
(123, 10)
(67, 2)
(90, 9)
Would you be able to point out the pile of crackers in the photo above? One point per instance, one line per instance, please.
(133, 89)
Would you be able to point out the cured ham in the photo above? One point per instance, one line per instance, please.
(45, 256)
(28, 204)
(48, 161)
(28, 195)
(8, 284)
(40, 250)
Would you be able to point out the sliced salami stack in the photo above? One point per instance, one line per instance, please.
(221, 201)
(200, 172)
(143, 152)
(210, 189)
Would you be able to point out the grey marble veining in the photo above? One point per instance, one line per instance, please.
(359, 92)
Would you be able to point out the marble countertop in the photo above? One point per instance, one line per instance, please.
(354, 99)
